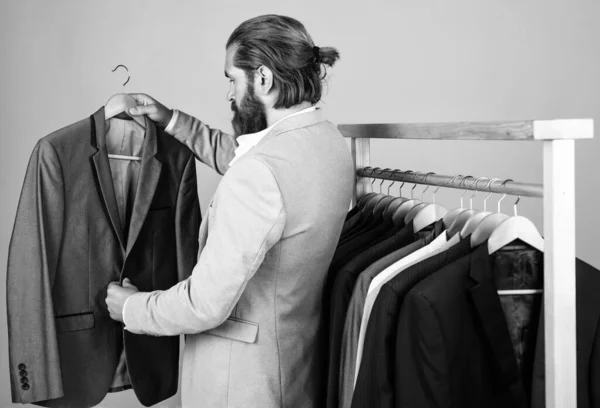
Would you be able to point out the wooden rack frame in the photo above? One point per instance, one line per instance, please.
(558, 137)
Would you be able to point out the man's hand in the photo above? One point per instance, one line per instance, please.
(116, 297)
(156, 111)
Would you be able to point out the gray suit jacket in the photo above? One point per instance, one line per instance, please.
(68, 244)
(252, 306)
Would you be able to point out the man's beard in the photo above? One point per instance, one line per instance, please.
(250, 116)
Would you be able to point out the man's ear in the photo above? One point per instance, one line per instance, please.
(263, 80)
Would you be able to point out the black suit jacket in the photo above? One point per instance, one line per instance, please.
(342, 292)
(68, 244)
(376, 377)
(587, 303)
(453, 344)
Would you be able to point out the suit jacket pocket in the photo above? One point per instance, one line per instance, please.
(77, 322)
(236, 329)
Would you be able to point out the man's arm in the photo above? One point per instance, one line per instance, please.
(246, 220)
(211, 146)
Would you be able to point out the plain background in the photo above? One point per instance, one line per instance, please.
(401, 61)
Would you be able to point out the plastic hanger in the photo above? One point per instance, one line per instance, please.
(396, 201)
(428, 214)
(118, 106)
(410, 215)
(372, 202)
(489, 223)
(464, 216)
(515, 228)
(452, 214)
(404, 208)
(476, 218)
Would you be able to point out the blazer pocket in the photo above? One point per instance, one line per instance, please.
(236, 329)
(78, 322)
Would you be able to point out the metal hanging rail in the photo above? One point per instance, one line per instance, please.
(458, 182)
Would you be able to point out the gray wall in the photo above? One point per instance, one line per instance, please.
(425, 61)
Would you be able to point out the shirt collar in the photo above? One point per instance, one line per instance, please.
(247, 142)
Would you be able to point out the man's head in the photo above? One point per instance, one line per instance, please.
(272, 63)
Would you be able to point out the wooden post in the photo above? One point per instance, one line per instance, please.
(361, 154)
(559, 273)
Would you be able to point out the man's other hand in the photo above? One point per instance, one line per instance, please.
(116, 297)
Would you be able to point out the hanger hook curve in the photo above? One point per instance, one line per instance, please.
(393, 181)
(504, 195)
(126, 69)
(489, 184)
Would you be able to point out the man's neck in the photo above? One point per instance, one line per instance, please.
(275, 115)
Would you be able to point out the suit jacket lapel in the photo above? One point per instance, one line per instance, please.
(103, 173)
(487, 304)
(146, 185)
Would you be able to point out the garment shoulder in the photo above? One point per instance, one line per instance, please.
(253, 170)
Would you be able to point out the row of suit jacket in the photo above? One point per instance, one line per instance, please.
(82, 222)
(415, 320)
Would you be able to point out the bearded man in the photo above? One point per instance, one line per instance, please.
(251, 308)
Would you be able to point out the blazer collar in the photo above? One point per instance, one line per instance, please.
(491, 316)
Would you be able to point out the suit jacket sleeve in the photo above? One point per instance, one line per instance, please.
(187, 221)
(244, 224)
(32, 264)
(211, 146)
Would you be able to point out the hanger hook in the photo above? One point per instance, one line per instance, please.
(393, 181)
(489, 184)
(504, 195)
(475, 193)
(415, 184)
(427, 185)
(462, 183)
(402, 185)
(127, 69)
(382, 180)
(373, 181)
(515, 204)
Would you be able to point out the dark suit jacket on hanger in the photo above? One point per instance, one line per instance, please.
(68, 245)
(375, 381)
(453, 345)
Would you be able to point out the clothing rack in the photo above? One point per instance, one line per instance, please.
(558, 191)
(458, 182)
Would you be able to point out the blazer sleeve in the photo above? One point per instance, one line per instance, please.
(211, 146)
(187, 221)
(32, 264)
(245, 223)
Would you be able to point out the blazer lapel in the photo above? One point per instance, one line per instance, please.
(491, 317)
(103, 173)
(146, 185)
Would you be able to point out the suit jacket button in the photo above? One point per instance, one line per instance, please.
(22, 366)
(25, 386)
(24, 380)
(23, 373)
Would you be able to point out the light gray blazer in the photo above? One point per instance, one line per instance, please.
(252, 306)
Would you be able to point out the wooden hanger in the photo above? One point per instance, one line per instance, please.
(118, 106)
